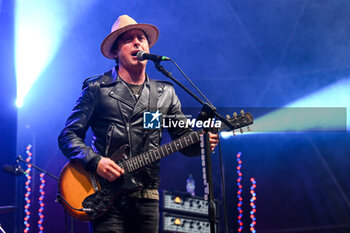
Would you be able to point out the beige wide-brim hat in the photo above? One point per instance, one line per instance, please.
(125, 23)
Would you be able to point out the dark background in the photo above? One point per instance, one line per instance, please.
(240, 54)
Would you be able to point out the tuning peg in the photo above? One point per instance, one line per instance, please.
(227, 117)
(242, 112)
(248, 128)
(241, 130)
(235, 114)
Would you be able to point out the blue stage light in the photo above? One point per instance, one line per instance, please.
(40, 26)
(324, 110)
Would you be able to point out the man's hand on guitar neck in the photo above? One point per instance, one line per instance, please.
(213, 139)
(108, 169)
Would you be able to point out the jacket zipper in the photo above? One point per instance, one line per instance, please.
(129, 137)
(108, 140)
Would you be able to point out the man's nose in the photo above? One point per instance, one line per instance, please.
(136, 42)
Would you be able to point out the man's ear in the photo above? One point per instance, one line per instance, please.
(115, 54)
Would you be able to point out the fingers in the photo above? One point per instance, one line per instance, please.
(109, 170)
(116, 167)
(213, 140)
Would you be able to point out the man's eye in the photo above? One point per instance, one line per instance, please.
(141, 38)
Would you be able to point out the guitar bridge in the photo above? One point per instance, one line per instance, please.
(94, 182)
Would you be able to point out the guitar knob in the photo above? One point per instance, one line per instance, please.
(242, 112)
(235, 114)
(248, 128)
(234, 133)
(227, 117)
(241, 130)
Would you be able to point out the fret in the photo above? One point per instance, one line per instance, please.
(157, 153)
(142, 163)
(130, 165)
(172, 146)
(168, 148)
(197, 135)
(191, 139)
(137, 158)
(135, 163)
(146, 156)
(181, 143)
(166, 152)
(152, 156)
(162, 150)
(149, 156)
(186, 142)
(177, 145)
(126, 169)
(124, 166)
(138, 162)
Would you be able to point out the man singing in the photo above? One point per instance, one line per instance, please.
(113, 104)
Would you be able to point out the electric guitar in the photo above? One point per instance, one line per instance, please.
(86, 196)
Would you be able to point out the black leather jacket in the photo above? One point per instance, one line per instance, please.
(115, 116)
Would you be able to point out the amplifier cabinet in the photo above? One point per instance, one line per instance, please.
(184, 224)
(184, 203)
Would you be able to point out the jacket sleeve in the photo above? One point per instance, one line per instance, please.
(71, 139)
(176, 132)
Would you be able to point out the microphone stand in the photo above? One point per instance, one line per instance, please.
(19, 158)
(208, 110)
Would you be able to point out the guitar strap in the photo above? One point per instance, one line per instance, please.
(153, 100)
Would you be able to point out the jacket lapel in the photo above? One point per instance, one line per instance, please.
(143, 100)
(120, 90)
(122, 93)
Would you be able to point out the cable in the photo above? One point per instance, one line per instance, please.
(86, 210)
(189, 80)
(65, 221)
(223, 186)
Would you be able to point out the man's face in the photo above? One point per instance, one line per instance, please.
(129, 44)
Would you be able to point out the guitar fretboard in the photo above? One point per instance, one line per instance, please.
(154, 155)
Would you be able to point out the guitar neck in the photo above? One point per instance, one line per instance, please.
(154, 155)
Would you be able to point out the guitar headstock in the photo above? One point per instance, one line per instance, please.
(238, 121)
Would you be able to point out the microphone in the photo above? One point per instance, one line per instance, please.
(13, 169)
(142, 55)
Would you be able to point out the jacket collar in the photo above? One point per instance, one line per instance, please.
(121, 92)
(111, 77)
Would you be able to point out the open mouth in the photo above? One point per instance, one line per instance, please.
(134, 54)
